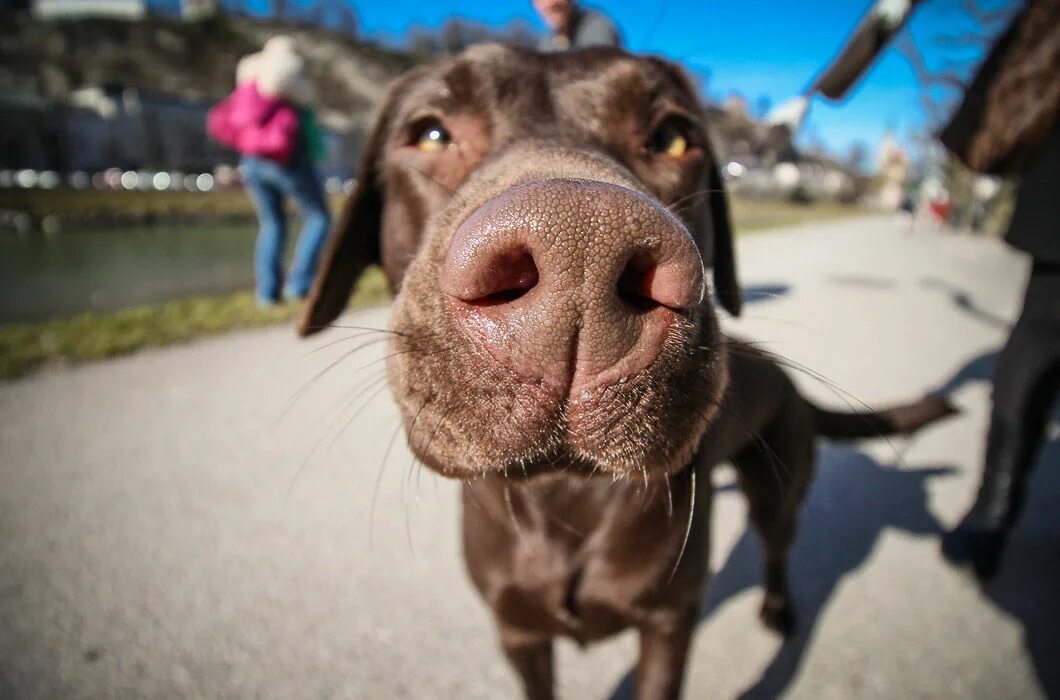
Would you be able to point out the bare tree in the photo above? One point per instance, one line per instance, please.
(942, 85)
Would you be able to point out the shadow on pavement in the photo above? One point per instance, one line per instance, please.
(757, 293)
(862, 281)
(1028, 586)
(979, 368)
(852, 501)
(963, 301)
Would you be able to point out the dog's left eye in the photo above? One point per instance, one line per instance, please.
(670, 138)
(431, 136)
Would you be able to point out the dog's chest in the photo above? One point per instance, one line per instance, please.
(583, 562)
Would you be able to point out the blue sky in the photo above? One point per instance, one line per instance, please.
(758, 48)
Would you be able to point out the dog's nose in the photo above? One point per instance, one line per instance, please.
(572, 282)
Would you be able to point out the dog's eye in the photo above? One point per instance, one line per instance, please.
(670, 138)
(431, 136)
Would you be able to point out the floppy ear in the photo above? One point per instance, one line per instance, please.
(720, 251)
(354, 241)
(715, 226)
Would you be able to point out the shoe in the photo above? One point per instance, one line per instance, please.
(967, 546)
(266, 304)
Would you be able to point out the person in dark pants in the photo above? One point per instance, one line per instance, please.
(1008, 124)
(1027, 376)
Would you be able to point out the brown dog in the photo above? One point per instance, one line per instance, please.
(545, 220)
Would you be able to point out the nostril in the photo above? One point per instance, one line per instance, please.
(635, 283)
(505, 278)
(647, 283)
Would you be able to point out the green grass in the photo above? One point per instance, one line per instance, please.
(759, 214)
(94, 336)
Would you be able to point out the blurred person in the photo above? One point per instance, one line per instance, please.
(1009, 124)
(574, 26)
(268, 121)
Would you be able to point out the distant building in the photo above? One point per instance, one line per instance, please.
(124, 9)
(893, 167)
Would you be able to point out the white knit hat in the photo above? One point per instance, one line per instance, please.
(280, 70)
(248, 68)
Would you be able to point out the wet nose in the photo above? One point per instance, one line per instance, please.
(572, 282)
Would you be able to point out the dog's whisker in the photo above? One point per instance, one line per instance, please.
(338, 341)
(346, 400)
(379, 481)
(316, 377)
(781, 321)
(380, 385)
(364, 389)
(409, 441)
(672, 207)
(426, 448)
(745, 426)
(836, 390)
(669, 498)
(431, 178)
(392, 331)
(511, 508)
(320, 438)
(688, 525)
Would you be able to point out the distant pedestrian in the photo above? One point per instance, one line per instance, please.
(267, 119)
(575, 27)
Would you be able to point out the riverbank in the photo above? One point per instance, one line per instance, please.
(96, 336)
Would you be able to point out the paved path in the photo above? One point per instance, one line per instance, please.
(151, 544)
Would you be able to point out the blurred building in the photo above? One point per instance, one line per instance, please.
(111, 93)
(123, 9)
(893, 167)
(760, 159)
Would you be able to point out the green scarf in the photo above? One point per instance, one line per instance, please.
(311, 136)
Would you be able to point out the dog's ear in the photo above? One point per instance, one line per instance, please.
(354, 241)
(714, 224)
(722, 253)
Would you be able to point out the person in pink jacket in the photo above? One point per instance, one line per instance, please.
(278, 142)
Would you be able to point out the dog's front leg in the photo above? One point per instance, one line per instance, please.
(533, 662)
(664, 642)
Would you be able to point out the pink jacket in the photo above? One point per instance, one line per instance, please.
(254, 124)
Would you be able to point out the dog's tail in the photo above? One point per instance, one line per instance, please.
(897, 420)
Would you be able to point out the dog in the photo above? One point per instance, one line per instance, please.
(545, 222)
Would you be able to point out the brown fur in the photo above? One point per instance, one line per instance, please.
(582, 515)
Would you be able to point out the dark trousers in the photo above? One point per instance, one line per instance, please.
(1025, 384)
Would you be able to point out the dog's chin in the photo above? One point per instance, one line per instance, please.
(466, 416)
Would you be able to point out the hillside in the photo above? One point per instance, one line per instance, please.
(46, 61)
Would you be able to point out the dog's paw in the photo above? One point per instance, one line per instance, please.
(778, 614)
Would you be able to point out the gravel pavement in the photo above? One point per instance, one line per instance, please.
(173, 524)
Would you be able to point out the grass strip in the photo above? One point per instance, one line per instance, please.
(95, 336)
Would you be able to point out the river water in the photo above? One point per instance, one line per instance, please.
(62, 274)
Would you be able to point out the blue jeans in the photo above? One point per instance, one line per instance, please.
(268, 183)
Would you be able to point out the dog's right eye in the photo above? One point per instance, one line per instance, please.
(430, 135)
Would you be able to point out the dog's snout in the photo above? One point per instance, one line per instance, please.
(573, 282)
